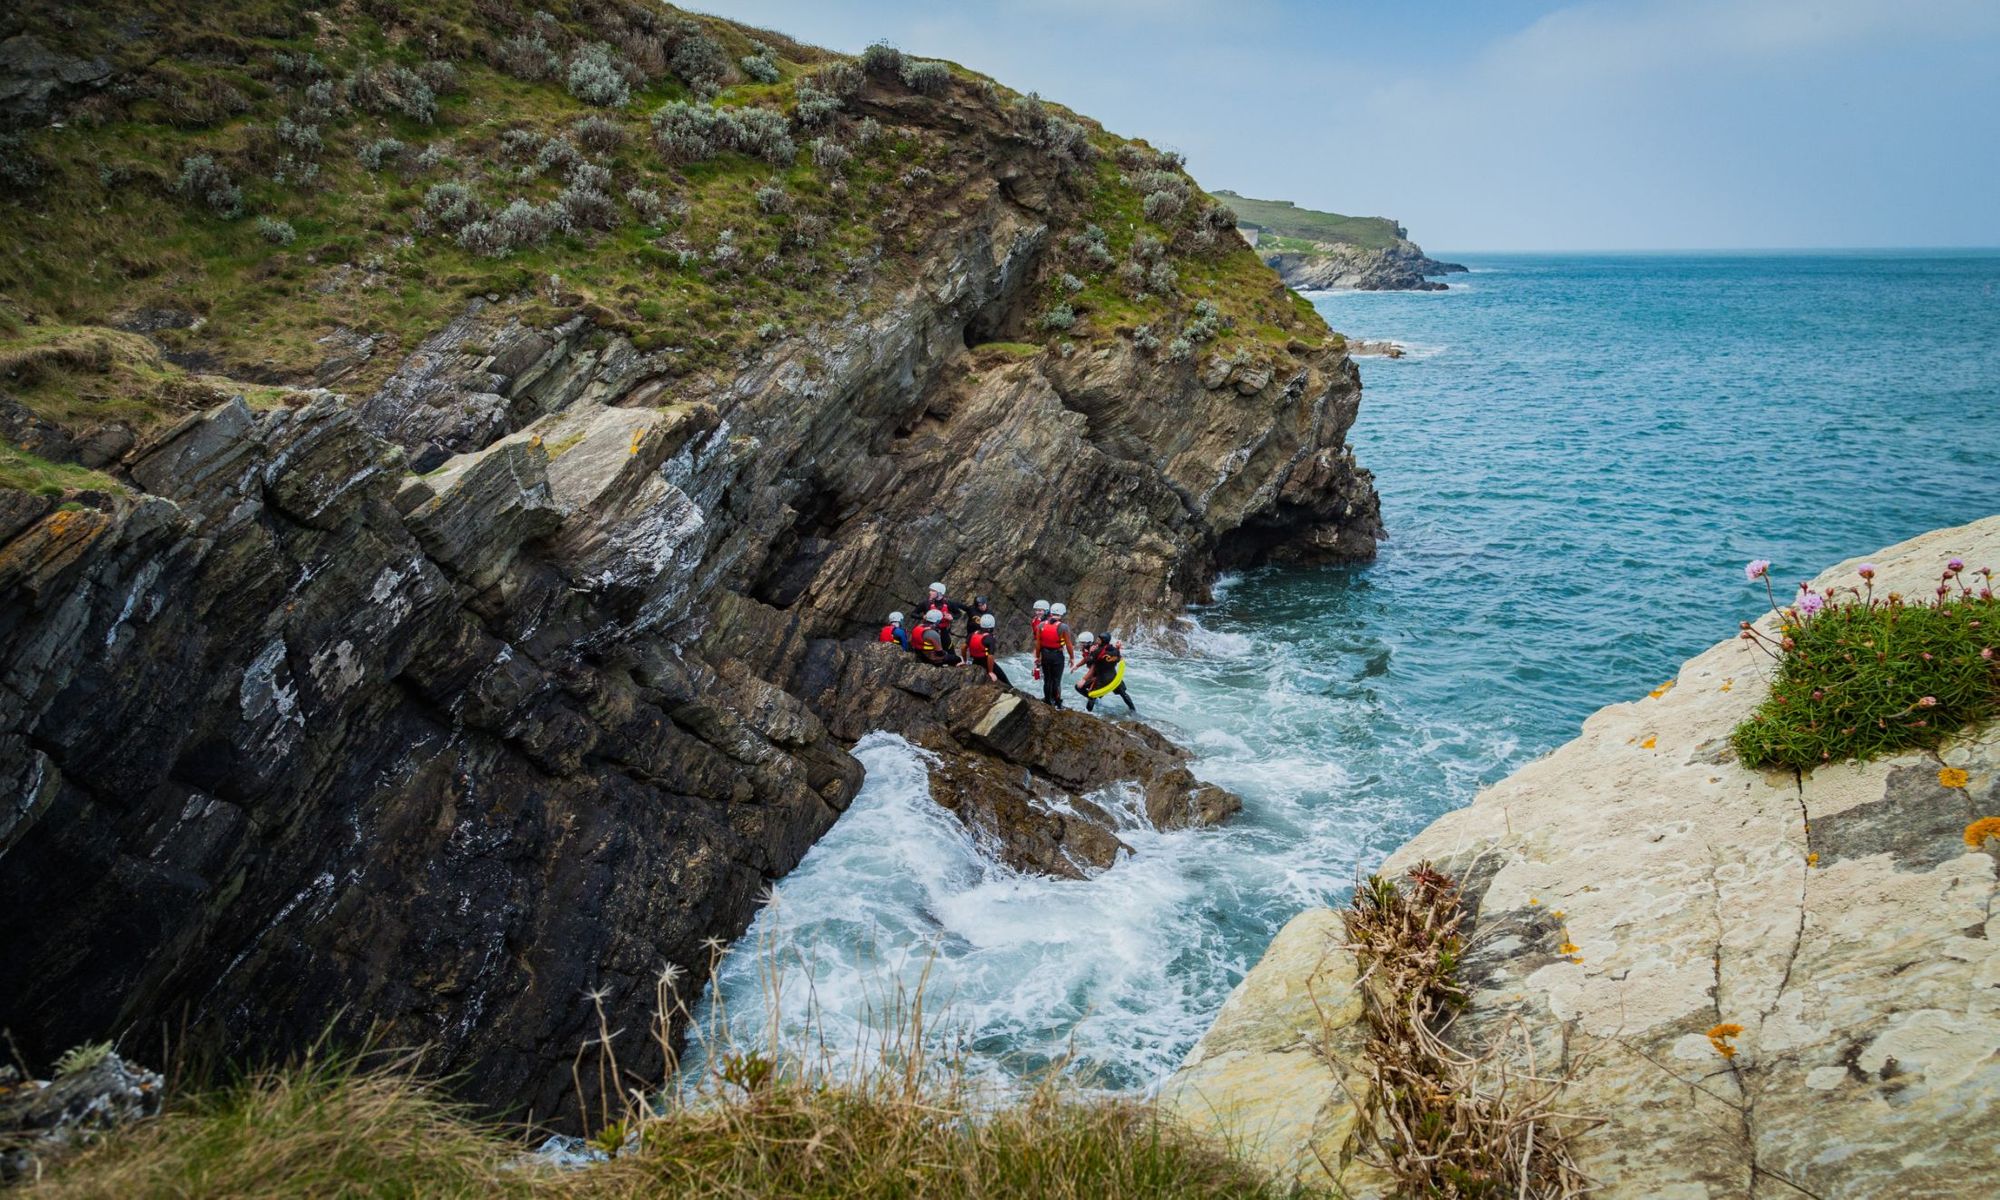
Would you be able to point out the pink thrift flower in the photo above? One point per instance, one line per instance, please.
(1867, 571)
(1927, 702)
(1757, 569)
(1955, 565)
(1809, 603)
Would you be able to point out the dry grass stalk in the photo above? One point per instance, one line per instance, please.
(1443, 1122)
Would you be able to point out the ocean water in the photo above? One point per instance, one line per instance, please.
(1575, 461)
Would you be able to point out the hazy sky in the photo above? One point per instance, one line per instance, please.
(1519, 124)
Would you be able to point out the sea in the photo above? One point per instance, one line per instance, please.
(1576, 457)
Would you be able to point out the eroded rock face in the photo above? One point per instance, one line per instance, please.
(1839, 919)
(524, 676)
(1402, 267)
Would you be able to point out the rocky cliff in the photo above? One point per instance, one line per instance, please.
(1316, 251)
(502, 642)
(1635, 890)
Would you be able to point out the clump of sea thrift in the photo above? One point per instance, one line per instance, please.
(1860, 675)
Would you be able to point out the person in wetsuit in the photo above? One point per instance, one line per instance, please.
(982, 650)
(1101, 659)
(936, 599)
(928, 642)
(1053, 647)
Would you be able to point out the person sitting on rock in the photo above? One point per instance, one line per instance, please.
(981, 650)
(928, 641)
(1053, 645)
(937, 599)
(980, 610)
(894, 631)
(1103, 672)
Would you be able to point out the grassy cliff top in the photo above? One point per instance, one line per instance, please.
(1288, 220)
(295, 195)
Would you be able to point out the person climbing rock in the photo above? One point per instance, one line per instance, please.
(1053, 645)
(1103, 672)
(981, 650)
(894, 631)
(928, 641)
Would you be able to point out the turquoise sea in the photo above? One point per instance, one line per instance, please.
(1575, 460)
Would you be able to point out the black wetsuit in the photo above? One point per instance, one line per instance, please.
(1053, 660)
(1101, 664)
(950, 608)
(928, 644)
(989, 661)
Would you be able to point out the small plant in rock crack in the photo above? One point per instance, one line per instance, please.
(1861, 675)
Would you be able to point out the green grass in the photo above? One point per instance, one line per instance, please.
(331, 1128)
(26, 472)
(1306, 226)
(1866, 679)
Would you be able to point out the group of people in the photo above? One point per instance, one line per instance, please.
(1057, 650)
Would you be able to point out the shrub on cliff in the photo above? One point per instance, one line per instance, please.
(1861, 675)
(204, 181)
(594, 77)
(761, 66)
(698, 59)
(882, 60)
(926, 76)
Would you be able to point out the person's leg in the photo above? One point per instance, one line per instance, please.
(1000, 675)
(1052, 665)
(1127, 698)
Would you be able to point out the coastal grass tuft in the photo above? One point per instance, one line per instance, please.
(901, 1121)
(1861, 676)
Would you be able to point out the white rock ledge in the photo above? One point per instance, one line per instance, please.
(1839, 919)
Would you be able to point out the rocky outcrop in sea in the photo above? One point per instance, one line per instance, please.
(1402, 267)
(1761, 983)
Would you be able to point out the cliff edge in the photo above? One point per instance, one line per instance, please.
(458, 458)
(1317, 251)
(1635, 890)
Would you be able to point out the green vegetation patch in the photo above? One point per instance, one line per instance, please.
(1300, 227)
(1860, 676)
(331, 1128)
(29, 473)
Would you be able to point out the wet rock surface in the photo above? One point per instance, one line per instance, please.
(525, 675)
(42, 1117)
(1838, 918)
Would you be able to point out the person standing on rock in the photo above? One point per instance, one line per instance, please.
(1053, 644)
(894, 631)
(929, 644)
(981, 650)
(1104, 672)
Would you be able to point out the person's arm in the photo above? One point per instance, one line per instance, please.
(1069, 640)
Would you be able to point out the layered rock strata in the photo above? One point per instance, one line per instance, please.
(1839, 919)
(523, 676)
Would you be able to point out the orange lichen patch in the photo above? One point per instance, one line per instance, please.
(1649, 743)
(1812, 860)
(1977, 833)
(1726, 685)
(58, 540)
(1662, 690)
(1557, 913)
(1568, 947)
(1719, 1036)
(1952, 777)
(1533, 901)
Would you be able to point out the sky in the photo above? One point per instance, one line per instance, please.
(1518, 124)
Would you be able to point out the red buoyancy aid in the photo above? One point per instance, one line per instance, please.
(1049, 635)
(888, 634)
(975, 649)
(926, 638)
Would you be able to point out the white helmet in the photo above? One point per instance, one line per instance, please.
(895, 618)
(1085, 638)
(938, 588)
(986, 622)
(1041, 606)
(1058, 610)
(933, 617)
